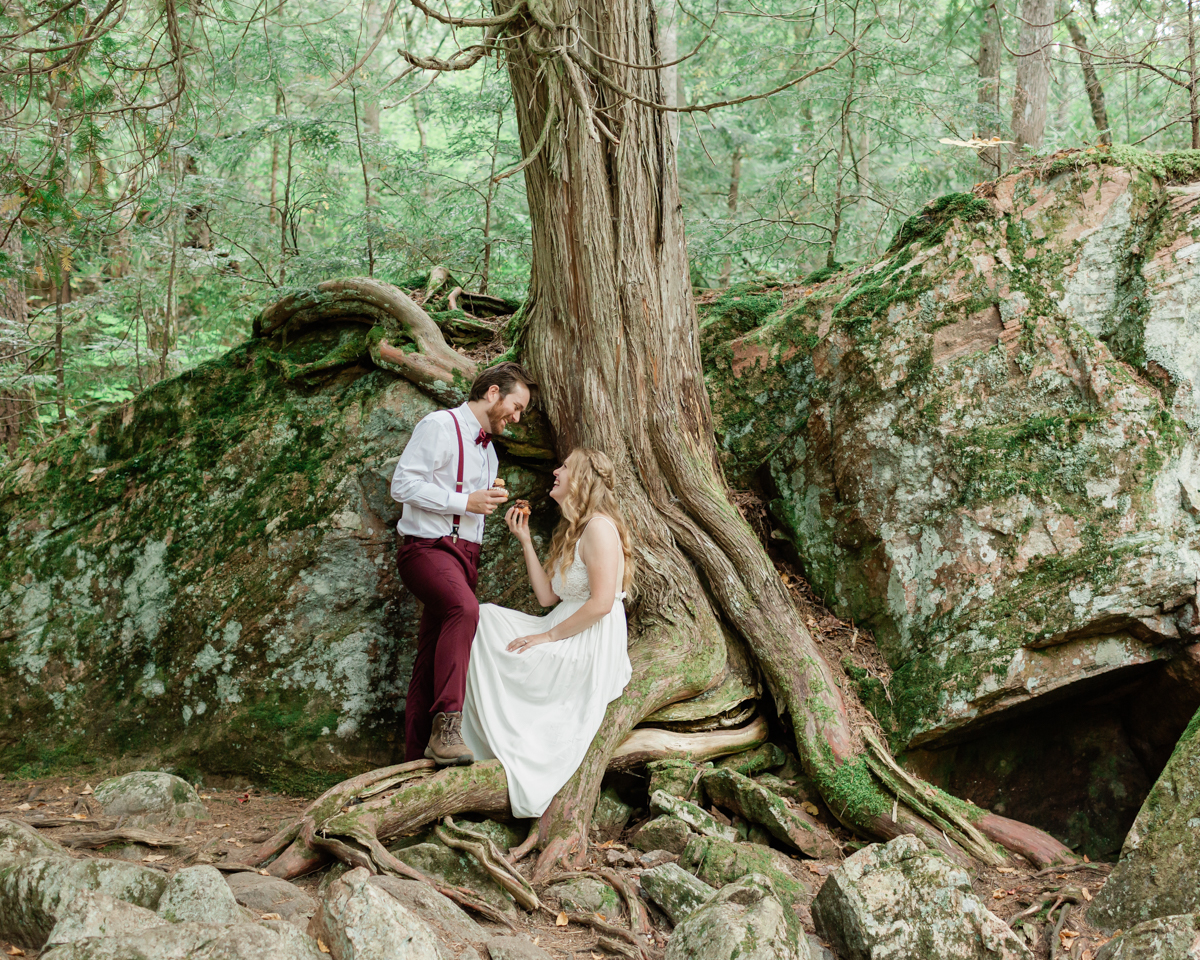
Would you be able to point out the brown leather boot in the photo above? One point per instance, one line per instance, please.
(446, 745)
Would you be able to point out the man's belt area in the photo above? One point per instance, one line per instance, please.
(409, 538)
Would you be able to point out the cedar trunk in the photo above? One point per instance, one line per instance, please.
(1033, 74)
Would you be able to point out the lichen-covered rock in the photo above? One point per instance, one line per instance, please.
(790, 824)
(611, 815)
(903, 901)
(147, 797)
(1164, 938)
(458, 869)
(21, 840)
(269, 940)
(515, 948)
(260, 895)
(35, 890)
(92, 914)
(587, 895)
(745, 920)
(359, 921)
(719, 862)
(751, 762)
(985, 445)
(219, 558)
(677, 892)
(202, 895)
(1158, 874)
(694, 816)
(663, 833)
(676, 777)
(447, 919)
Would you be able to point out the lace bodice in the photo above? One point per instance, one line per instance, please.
(573, 584)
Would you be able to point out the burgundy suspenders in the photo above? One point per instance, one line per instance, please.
(459, 482)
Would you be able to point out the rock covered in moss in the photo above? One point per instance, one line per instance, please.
(985, 444)
(790, 824)
(901, 899)
(515, 948)
(751, 762)
(694, 816)
(676, 777)
(268, 940)
(147, 797)
(1158, 874)
(359, 921)
(18, 840)
(587, 895)
(745, 920)
(458, 869)
(611, 814)
(663, 833)
(1164, 938)
(677, 892)
(719, 862)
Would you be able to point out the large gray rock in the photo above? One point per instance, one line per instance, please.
(676, 891)
(260, 895)
(587, 895)
(692, 814)
(663, 833)
(34, 891)
(903, 901)
(1164, 938)
(147, 797)
(200, 894)
(1158, 874)
(744, 920)
(360, 921)
(719, 862)
(449, 921)
(20, 840)
(269, 940)
(92, 914)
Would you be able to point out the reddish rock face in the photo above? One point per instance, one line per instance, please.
(984, 446)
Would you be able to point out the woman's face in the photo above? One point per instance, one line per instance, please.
(558, 492)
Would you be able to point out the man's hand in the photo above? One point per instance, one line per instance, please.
(485, 501)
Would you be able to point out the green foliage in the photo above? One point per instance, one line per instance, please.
(930, 225)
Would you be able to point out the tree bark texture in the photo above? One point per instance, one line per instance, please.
(1033, 74)
(1091, 81)
(989, 89)
(15, 404)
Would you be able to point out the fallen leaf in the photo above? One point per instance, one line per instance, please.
(24, 806)
(206, 796)
(86, 790)
(264, 873)
(154, 858)
(536, 941)
(561, 919)
(270, 916)
(999, 894)
(813, 868)
(235, 841)
(79, 816)
(217, 826)
(1087, 894)
(16, 952)
(809, 808)
(1006, 870)
(601, 916)
(321, 946)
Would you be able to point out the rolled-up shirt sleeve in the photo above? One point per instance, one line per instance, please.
(429, 450)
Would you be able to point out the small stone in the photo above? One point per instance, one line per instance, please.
(359, 921)
(676, 891)
(745, 920)
(901, 899)
(587, 895)
(502, 835)
(620, 858)
(663, 833)
(145, 798)
(611, 815)
(21, 840)
(260, 895)
(515, 948)
(200, 894)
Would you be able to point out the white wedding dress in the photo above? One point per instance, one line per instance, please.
(538, 711)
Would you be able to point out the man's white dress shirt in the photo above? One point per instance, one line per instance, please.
(425, 477)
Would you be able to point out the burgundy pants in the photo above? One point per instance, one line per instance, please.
(442, 575)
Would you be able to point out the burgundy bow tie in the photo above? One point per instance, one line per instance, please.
(483, 439)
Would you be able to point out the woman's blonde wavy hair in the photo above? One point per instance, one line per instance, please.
(591, 479)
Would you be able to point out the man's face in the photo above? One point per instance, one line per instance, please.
(507, 409)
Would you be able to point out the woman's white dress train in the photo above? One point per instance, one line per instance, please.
(538, 711)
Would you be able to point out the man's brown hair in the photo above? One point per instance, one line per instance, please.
(505, 376)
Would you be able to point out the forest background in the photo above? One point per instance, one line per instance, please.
(169, 168)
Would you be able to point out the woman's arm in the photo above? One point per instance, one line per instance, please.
(518, 525)
(600, 550)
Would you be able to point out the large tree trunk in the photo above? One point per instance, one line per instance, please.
(15, 405)
(1033, 74)
(1091, 81)
(989, 88)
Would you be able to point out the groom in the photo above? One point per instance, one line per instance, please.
(444, 479)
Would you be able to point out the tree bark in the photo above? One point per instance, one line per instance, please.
(1033, 75)
(989, 89)
(15, 403)
(1091, 83)
(731, 205)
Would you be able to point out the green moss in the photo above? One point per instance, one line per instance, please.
(930, 225)
(1169, 166)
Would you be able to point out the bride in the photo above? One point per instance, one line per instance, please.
(538, 687)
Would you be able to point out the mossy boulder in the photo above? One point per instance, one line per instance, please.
(1165, 938)
(984, 446)
(663, 833)
(587, 895)
(457, 869)
(745, 920)
(1158, 874)
(149, 797)
(718, 862)
(205, 578)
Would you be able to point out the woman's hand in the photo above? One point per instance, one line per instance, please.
(522, 644)
(518, 525)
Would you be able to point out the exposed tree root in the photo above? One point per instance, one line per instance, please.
(619, 935)
(490, 858)
(102, 838)
(646, 744)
